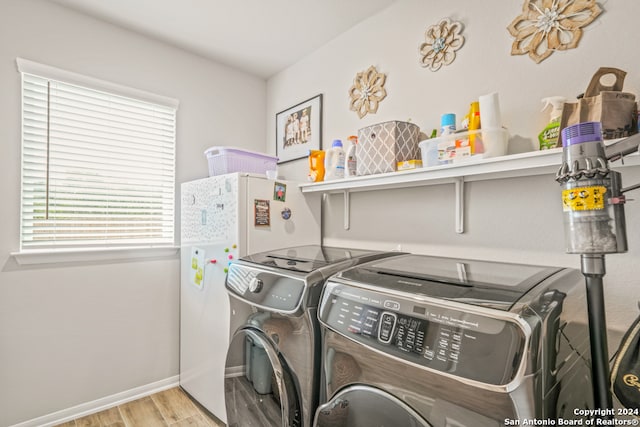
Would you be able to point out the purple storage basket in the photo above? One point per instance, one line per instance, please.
(228, 160)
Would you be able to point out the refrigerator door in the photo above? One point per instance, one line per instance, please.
(209, 237)
(209, 210)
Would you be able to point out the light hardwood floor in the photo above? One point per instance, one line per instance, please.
(171, 407)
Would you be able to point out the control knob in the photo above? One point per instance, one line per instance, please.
(255, 285)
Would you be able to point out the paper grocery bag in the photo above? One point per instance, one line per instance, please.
(617, 111)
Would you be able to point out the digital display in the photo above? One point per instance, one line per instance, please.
(406, 333)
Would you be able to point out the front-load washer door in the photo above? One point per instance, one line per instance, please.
(263, 394)
(365, 406)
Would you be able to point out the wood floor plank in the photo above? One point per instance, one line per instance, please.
(142, 412)
(89, 421)
(213, 421)
(110, 417)
(174, 405)
(193, 421)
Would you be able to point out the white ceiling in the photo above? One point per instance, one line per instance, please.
(261, 37)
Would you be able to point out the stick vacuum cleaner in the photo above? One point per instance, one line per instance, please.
(594, 224)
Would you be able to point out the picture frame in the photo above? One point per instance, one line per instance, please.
(299, 129)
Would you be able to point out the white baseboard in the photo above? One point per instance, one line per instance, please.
(101, 404)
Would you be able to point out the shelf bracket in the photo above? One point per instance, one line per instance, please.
(459, 183)
(347, 210)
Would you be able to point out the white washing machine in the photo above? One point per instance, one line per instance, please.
(278, 383)
(427, 341)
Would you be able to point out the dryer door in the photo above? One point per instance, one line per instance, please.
(263, 394)
(364, 406)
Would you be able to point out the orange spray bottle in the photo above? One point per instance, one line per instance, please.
(474, 125)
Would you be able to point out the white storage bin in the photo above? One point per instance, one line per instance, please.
(455, 147)
(228, 160)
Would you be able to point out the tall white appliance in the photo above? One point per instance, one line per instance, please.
(223, 218)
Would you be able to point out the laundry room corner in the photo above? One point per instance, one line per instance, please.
(516, 219)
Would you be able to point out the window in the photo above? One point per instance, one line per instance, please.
(98, 163)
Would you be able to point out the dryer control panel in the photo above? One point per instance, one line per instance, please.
(462, 343)
(265, 290)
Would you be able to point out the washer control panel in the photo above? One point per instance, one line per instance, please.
(264, 289)
(466, 344)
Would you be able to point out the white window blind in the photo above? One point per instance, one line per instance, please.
(98, 168)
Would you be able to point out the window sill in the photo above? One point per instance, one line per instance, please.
(92, 255)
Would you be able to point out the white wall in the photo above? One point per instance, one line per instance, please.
(70, 334)
(518, 220)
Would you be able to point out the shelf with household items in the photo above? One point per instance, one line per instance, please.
(545, 162)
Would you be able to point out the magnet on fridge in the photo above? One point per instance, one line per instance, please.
(213, 261)
(198, 263)
(234, 246)
(230, 256)
(226, 249)
(279, 192)
(286, 213)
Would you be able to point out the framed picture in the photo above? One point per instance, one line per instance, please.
(299, 129)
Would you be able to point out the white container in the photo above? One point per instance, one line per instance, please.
(495, 141)
(453, 148)
(351, 161)
(430, 152)
(334, 162)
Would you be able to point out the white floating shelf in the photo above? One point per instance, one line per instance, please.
(515, 165)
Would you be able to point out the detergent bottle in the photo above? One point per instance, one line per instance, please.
(351, 158)
(316, 165)
(334, 161)
(548, 138)
(442, 150)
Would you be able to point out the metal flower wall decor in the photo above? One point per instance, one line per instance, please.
(549, 25)
(367, 91)
(441, 42)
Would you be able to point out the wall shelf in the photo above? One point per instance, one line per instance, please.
(510, 166)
